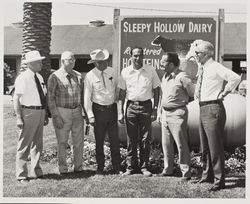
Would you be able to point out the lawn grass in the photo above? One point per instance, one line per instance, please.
(89, 185)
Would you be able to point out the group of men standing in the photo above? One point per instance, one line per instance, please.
(147, 99)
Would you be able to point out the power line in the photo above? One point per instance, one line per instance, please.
(147, 9)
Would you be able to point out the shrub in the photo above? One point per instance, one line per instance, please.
(234, 161)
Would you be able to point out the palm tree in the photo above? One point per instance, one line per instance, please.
(37, 32)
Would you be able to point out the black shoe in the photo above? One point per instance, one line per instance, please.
(117, 172)
(63, 173)
(78, 172)
(216, 187)
(99, 172)
(202, 181)
(36, 177)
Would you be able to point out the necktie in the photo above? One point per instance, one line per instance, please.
(170, 77)
(69, 78)
(199, 83)
(40, 91)
(103, 79)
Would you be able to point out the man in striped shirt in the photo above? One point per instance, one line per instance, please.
(64, 99)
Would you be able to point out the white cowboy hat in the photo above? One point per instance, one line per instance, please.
(32, 56)
(98, 55)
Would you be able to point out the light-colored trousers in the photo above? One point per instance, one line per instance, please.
(30, 142)
(74, 123)
(174, 128)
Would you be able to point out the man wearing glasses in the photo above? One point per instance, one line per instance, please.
(176, 88)
(65, 88)
(210, 92)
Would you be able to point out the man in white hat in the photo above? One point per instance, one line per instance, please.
(210, 91)
(100, 102)
(65, 92)
(29, 104)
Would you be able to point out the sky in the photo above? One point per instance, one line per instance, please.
(77, 12)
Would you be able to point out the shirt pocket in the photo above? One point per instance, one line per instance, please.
(64, 88)
(146, 83)
(175, 90)
(98, 86)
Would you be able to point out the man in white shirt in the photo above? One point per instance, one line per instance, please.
(210, 93)
(139, 83)
(100, 103)
(30, 104)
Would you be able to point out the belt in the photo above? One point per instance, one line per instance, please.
(71, 107)
(174, 108)
(140, 103)
(33, 107)
(203, 103)
(104, 106)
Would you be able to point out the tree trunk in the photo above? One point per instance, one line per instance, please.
(37, 33)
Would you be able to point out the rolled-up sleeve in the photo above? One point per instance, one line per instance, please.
(188, 85)
(121, 81)
(228, 75)
(19, 85)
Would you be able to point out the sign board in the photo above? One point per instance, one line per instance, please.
(157, 35)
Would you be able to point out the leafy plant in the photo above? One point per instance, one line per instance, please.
(234, 161)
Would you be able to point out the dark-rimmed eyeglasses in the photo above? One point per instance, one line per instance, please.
(196, 52)
(71, 60)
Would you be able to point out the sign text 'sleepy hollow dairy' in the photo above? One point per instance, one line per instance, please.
(189, 27)
(160, 34)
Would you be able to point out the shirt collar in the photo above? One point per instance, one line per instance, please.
(104, 71)
(173, 74)
(208, 62)
(62, 70)
(30, 72)
(143, 68)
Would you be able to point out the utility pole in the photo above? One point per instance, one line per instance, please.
(221, 20)
(115, 43)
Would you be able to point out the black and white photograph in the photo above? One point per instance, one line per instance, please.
(108, 101)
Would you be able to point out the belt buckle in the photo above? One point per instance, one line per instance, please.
(137, 103)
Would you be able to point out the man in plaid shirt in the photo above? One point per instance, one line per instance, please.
(64, 99)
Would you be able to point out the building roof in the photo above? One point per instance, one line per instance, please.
(12, 41)
(235, 39)
(82, 39)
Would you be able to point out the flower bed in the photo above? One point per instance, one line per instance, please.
(234, 161)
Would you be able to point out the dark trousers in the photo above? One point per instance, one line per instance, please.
(138, 124)
(106, 121)
(211, 128)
